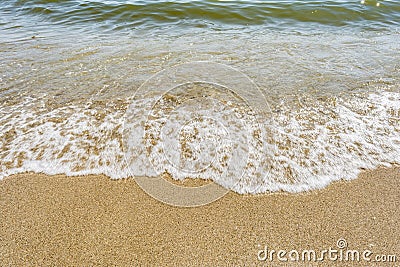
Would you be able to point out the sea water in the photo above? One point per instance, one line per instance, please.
(295, 94)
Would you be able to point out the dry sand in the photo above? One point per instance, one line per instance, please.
(92, 220)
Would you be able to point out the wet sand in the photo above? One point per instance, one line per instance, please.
(92, 220)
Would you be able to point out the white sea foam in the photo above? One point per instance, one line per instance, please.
(302, 148)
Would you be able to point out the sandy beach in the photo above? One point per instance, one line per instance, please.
(220, 103)
(95, 221)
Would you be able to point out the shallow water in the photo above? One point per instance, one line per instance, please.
(330, 81)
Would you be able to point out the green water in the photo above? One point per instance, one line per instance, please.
(208, 13)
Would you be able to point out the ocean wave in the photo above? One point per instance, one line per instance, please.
(206, 13)
(306, 147)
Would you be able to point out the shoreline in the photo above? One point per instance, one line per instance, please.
(94, 220)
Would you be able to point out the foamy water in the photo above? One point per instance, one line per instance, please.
(306, 148)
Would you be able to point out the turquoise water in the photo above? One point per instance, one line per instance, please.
(328, 71)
